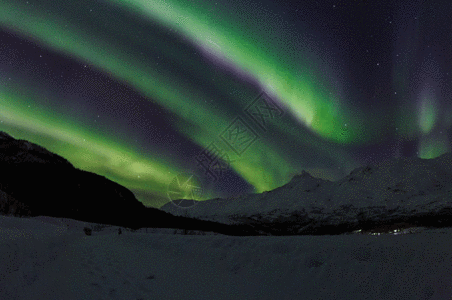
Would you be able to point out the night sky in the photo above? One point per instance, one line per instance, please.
(241, 94)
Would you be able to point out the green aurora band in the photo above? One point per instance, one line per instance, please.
(290, 67)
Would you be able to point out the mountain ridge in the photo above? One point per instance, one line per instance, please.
(410, 191)
(36, 182)
(404, 190)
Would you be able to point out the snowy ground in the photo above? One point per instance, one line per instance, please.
(44, 258)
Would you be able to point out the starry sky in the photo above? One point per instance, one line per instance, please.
(231, 96)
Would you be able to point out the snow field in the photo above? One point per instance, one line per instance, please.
(48, 261)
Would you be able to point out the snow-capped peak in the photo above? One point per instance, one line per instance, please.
(397, 188)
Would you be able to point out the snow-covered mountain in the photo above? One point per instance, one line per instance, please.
(399, 193)
(405, 191)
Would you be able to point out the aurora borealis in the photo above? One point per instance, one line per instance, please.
(135, 90)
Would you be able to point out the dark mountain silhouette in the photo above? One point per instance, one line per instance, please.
(36, 182)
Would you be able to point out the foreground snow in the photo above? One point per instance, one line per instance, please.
(41, 260)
